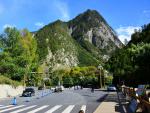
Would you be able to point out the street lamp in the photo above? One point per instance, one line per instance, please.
(100, 75)
(24, 81)
(25, 75)
(105, 76)
(81, 81)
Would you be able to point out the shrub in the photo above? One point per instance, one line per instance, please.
(5, 80)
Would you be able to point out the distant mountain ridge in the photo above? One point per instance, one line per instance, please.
(85, 40)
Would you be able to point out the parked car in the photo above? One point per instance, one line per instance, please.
(62, 88)
(59, 89)
(40, 88)
(28, 92)
(111, 88)
(52, 89)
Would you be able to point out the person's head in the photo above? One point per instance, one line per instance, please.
(81, 111)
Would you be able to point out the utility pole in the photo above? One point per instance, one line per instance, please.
(100, 75)
(101, 79)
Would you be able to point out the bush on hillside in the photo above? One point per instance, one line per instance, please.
(5, 80)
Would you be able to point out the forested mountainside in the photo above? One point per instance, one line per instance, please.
(85, 40)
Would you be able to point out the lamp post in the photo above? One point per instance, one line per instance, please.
(25, 75)
(100, 75)
(24, 80)
(105, 75)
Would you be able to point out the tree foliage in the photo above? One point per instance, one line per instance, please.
(131, 64)
(18, 53)
(83, 76)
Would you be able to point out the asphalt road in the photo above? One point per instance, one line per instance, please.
(68, 101)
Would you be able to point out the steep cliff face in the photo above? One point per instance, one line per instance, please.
(85, 40)
(90, 27)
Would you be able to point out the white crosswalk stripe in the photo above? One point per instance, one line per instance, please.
(38, 109)
(53, 109)
(68, 109)
(1, 107)
(26, 108)
(11, 108)
(83, 108)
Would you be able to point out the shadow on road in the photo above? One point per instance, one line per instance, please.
(89, 96)
(121, 104)
(104, 90)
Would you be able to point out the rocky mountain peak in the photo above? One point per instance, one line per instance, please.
(91, 29)
(88, 16)
(85, 40)
(88, 19)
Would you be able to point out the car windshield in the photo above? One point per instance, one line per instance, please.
(111, 86)
(29, 89)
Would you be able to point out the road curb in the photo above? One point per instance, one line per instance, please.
(110, 106)
(100, 100)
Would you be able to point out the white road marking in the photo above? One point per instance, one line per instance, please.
(38, 109)
(53, 109)
(11, 108)
(68, 109)
(5, 106)
(83, 108)
(20, 110)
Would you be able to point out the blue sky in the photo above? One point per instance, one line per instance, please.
(123, 15)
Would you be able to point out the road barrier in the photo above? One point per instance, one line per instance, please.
(142, 100)
(14, 101)
(28, 99)
(43, 94)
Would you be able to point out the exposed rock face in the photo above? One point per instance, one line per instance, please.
(85, 40)
(91, 26)
(61, 59)
(59, 49)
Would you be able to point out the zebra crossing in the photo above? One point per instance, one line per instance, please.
(40, 109)
(53, 109)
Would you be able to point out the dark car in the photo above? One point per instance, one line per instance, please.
(40, 88)
(28, 92)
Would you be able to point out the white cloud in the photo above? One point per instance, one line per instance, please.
(126, 32)
(62, 8)
(146, 13)
(8, 25)
(39, 24)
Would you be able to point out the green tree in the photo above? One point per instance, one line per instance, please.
(18, 55)
(131, 64)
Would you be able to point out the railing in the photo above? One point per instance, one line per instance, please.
(142, 100)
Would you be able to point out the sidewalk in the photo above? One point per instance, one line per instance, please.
(113, 103)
